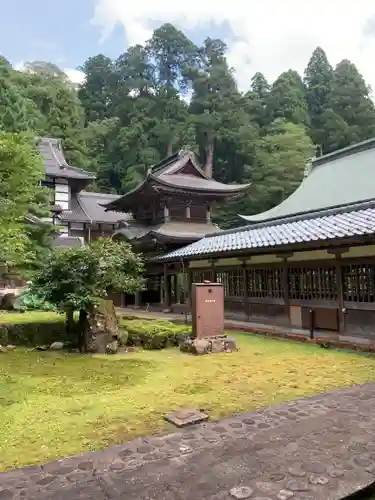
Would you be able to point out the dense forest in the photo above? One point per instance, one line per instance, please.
(154, 99)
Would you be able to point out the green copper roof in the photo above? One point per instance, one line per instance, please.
(344, 177)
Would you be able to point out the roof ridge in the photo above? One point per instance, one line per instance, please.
(83, 210)
(101, 195)
(348, 150)
(339, 209)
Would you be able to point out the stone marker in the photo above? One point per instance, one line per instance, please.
(181, 418)
(103, 327)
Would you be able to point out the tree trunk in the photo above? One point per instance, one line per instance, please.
(209, 154)
(170, 149)
(69, 324)
(82, 331)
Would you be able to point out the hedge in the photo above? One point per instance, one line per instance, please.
(157, 334)
(33, 333)
(40, 328)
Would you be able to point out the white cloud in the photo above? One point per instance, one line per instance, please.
(74, 75)
(269, 36)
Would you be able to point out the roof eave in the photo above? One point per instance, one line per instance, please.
(245, 253)
(227, 192)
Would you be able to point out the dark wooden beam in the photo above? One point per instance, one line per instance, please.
(340, 293)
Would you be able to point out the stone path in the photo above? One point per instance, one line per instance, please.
(317, 448)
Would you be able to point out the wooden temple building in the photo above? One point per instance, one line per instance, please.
(170, 209)
(79, 214)
(308, 263)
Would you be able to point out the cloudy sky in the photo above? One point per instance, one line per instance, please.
(268, 36)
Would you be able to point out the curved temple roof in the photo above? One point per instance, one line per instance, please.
(340, 178)
(181, 173)
(54, 161)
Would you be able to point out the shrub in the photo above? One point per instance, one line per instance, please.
(157, 334)
(33, 333)
(122, 337)
(30, 302)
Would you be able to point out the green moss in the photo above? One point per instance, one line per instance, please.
(55, 404)
(157, 334)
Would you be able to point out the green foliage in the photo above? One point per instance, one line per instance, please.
(21, 172)
(34, 333)
(287, 99)
(156, 334)
(30, 302)
(76, 278)
(318, 81)
(155, 98)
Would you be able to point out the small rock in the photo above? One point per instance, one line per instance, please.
(241, 492)
(201, 346)
(230, 345)
(3, 349)
(216, 345)
(10, 347)
(56, 346)
(284, 495)
(41, 348)
(112, 347)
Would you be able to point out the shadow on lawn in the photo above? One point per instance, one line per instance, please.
(26, 375)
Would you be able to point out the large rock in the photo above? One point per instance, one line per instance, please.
(112, 347)
(103, 327)
(56, 346)
(7, 302)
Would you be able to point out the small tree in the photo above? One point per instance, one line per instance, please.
(76, 279)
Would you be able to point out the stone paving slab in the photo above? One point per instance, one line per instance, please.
(320, 448)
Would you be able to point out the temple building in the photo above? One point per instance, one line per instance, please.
(79, 214)
(306, 264)
(171, 208)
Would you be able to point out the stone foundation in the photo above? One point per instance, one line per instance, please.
(208, 345)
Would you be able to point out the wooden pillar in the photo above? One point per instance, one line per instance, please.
(284, 282)
(167, 294)
(190, 283)
(208, 214)
(166, 213)
(214, 277)
(175, 288)
(337, 255)
(138, 299)
(340, 294)
(245, 277)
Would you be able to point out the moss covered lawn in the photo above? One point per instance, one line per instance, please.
(54, 404)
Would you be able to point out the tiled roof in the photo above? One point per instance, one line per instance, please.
(75, 213)
(170, 229)
(198, 183)
(337, 179)
(55, 163)
(87, 207)
(67, 242)
(179, 172)
(92, 205)
(357, 222)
